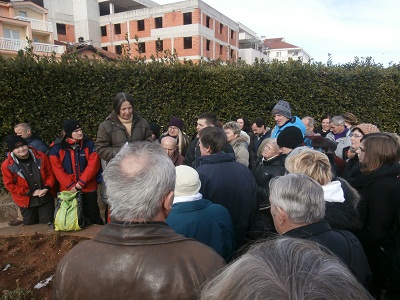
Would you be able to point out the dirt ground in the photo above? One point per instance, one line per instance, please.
(30, 254)
(27, 260)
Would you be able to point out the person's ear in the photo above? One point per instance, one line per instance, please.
(281, 216)
(168, 199)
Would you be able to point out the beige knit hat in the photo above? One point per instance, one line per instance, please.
(366, 128)
(187, 181)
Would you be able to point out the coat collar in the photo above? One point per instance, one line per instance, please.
(310, 230)
(217, 158)
(138, 234)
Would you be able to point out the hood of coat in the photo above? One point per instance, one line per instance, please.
(239, 140)
(333, 192)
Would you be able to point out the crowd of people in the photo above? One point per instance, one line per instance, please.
(322, 205)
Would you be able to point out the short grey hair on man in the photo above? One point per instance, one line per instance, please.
(310, 121)
(337, 121)
(285, 268)
(301, 197)
(137, 179)
(25, 126)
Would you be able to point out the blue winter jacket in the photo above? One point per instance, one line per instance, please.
(294, 121)
(207, 222)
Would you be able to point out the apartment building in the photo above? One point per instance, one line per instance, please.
(21, 21)
(278, 49)
(190, 29)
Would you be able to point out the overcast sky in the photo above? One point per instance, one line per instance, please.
(344, 28)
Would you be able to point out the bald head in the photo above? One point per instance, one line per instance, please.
(169, 145)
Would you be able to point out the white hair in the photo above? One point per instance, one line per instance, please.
(135, 191)
(285, 268)
(300, 196)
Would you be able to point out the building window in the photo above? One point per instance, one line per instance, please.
(158, 22)
(118, 49)
(140, 25)
(187, 18)
(232, 53)
(208, 21)
(23, 14)
(117, 28)
(159, 46)
(61, 29)
(232, 34)
(104, 48)
(141, 47)
(11, 34)
(208, 45)
(221, 49)
(187, 42)
(295, 53)
(221, 27)
(278, 54)
(103, 30)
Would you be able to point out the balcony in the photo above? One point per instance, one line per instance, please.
(16, 45)
(37, 24)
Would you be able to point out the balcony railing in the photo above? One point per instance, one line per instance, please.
(16, 45)
(48, 48)
(37, 24)
(12, 45)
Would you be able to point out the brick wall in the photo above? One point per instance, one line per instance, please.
(69, 36)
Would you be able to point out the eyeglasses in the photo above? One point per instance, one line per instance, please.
(173, 128)
(355, 135)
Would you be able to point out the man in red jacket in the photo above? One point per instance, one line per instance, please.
(28, 177)
(76, 164)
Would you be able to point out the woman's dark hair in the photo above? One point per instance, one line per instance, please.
(380, 148)
(326, 116)
(121, 98)
(246, 124)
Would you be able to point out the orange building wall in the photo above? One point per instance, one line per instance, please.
(221, 36)
(173, 19)
(69, 36)
(6, 11)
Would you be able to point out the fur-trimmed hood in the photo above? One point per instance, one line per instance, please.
(344, 215)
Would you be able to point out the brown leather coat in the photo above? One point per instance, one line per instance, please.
(137, 261)
(112, 135)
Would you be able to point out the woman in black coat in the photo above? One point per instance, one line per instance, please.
(378, 183)
(269, 165)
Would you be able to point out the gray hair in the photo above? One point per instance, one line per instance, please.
(337, 121)
(137, 179)
(285, 268)
(301, 197)
(234, 126)
(310, 121)
(25, 126)
(268, 141)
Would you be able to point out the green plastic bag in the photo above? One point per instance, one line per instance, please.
(68, 215)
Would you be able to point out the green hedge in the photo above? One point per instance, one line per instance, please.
(45, 92)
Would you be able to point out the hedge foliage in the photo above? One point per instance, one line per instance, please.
(44, 92)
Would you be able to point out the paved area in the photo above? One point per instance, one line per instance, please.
(6, 230)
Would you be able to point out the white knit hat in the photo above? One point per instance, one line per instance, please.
(187, 181)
